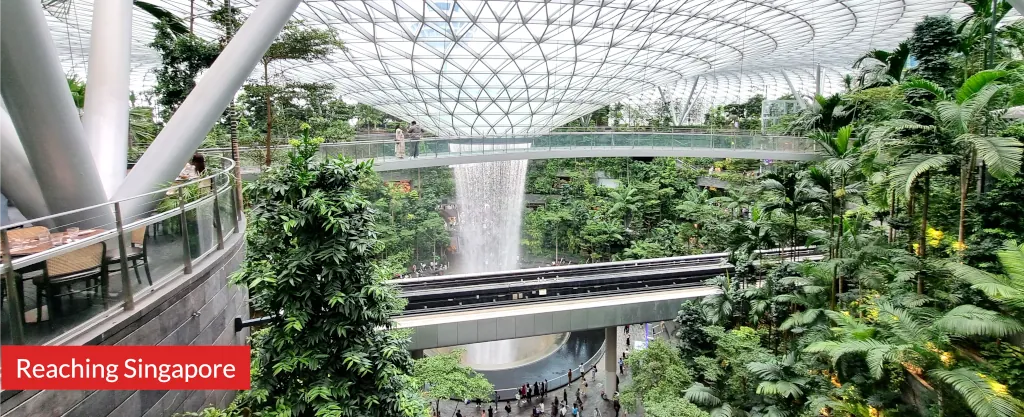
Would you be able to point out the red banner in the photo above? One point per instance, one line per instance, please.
(124, 367)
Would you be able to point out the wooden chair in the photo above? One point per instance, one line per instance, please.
(137, 253)
(23, 233)
(63, 271)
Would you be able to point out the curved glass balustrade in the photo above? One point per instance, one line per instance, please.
(62, 276)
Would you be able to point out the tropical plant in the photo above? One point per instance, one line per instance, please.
(444, 377)
(298, 43)
(964, 119)
(887, 68)
(791, 195)
(331, 348)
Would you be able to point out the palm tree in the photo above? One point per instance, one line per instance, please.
(887, 68)
(964, 119)
(792, 195)
(824, 113)
(735, 200)
(900, 336)
(625, 202)
(841, 154)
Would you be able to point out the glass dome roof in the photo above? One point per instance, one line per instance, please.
(521, 67)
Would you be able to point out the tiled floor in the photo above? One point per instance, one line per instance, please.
(591, 401)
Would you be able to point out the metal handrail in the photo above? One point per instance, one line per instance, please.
(9, 266)
(111, 203)
(726, 133)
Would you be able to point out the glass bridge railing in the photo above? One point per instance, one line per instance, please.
(67, 272)
(384, 148)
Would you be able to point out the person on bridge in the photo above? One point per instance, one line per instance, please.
(544, 389)
(415, 133)
(570, 375)
(536, 389)
(399, 143)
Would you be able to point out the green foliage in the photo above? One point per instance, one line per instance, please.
(444, 377)
(310, 251)
(933, 41)
(659, 377)
(182, 59)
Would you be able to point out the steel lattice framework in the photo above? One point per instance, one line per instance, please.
(499, 67)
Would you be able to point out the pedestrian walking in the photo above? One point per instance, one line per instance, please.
(625, 329)
(529, 392)
(483, 413)
(399, 143)
(627, 341)
(586, 385)
(542, 407)
(415, 133)
(544, 388)
(458, 413)
(570, 375)
(575, 410)
(616, 406)
(536, 389)
(508, 408)
(597, 413)
(563, 410)
(565, 395)
(593, 372)
(622, 368)
(490, 411)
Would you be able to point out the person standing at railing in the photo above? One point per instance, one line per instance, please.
(415, 133)
(399, 143)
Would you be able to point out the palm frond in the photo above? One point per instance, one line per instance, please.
(985, 397)
(925, 85)
(701, 395)
(906, 172)
(976, 83)
(1011, 257)
(174, 23)
(1001, 154)
(969, 320)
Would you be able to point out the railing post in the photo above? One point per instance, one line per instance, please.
(216, 213)
(184, 232)
(14, 310)
(237, 200)
(126, 279)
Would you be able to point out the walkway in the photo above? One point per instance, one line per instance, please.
(591, 401)
(444, 151)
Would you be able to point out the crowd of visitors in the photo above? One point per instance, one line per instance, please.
(533, 399)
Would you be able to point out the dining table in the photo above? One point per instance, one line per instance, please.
(34, 246)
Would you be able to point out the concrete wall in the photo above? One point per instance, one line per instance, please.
(198, 309)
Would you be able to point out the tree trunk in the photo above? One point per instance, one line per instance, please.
(235, 155)
(270, 112)
(793, 236)
(965, 182)
(910, 216)
(892, 214)
(923, 239)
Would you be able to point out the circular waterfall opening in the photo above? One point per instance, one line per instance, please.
(506, 354)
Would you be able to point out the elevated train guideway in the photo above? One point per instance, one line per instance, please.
(473, 308)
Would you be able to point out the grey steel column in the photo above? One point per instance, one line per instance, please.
(36, 92)
(689, 99)
(796, 94)
(17, 180)
(106, 104)
(188, 127)
(611, 359)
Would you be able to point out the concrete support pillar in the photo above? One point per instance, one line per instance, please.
(106, 104)
(611, 359)
(36, 93)
(17, 179)
(417, 353)
(188, 127)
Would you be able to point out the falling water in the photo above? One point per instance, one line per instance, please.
(490, 201)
